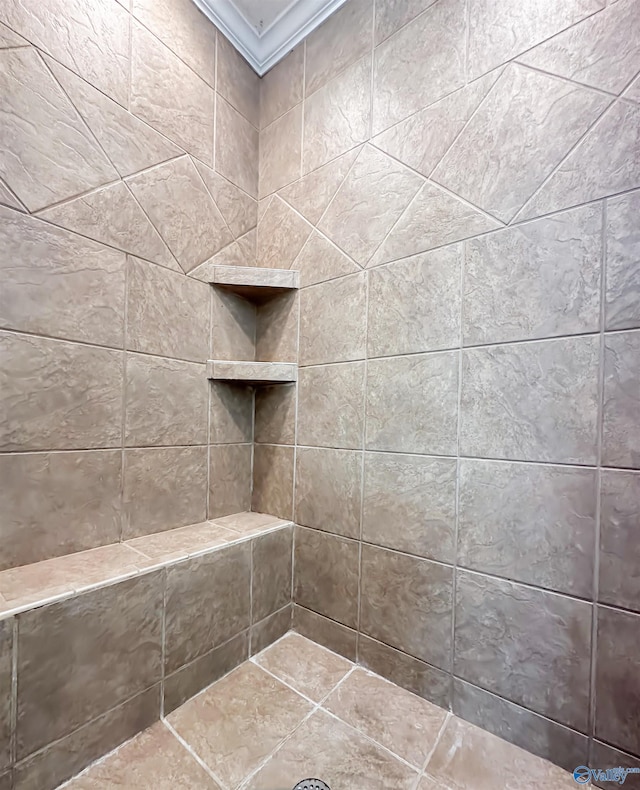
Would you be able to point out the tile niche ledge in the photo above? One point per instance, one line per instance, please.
(252, 372)
(31, 586)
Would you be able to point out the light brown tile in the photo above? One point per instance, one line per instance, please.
(164, 488)
(320, 260)
(322, 631)
(267, 631)
(280, 151)
(169, 96)
(394, 14)
(623, 251)
(73, 504)
(619, 545)
(272, 559)
(326, 575)
(309, 668)
(281, 235)
(181, 542)
(231, 413)
(236, 723)
(237, 81)
(621, 418)
(166, 402)
(6, 670)
(281, 88)
(207, 603)
(58, 395)
(275, 414)
(233, 326)
(402, 722)
(236, 148)
(154, 758)
(273, 471)
(58, 283)
(324, 747)
(83, 675)
(239, 209)
(277, 329)
(229, 479)
(248, 523)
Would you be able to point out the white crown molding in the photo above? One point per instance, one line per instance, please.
(263, 51)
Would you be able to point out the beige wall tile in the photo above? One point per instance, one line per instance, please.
(231, 413)
(281, 235)
(275, 414)
(621, 418)
(267, 631)
(273, 480)
(394, 14)
(336, 637)
(229, 479)
(6, 671)
(272, 572)
(320, 260)
(238, 82)
(282, 87)
(623, 251)
(280, 151)
(619, 518)
(277, 329)
(239, 210)
(233, 326)
(236, 150)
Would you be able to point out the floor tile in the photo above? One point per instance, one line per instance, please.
(310, 669)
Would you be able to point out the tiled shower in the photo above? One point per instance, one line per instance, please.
(351, 349)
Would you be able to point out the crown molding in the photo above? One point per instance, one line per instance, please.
(262, 51)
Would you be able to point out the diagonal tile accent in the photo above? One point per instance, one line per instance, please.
(177, 202)
(248, 246)
(422, 140)
(633, 91)
(369, 202)
(320, 260)
(434, 218)
(605, 162)
(128, 142)
(528, 123)
(311, 194)
(7, 198)
(602, 51)
(232, 255)
(239, 209)
(281, 234)
(113, 216)
(46, 152)
(10, 39)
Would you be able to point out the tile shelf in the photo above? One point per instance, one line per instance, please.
(254, 373)
(256, 283)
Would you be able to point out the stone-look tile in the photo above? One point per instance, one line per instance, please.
(277, 329)
(433, 218)
(522, 727)
(229, 479)
(249, 524)
(113, 216)
(622, 309)
(530, 523)
(320, 260)
(394, 14)
(602, 51)
(529, 646)
(337, 116)
(498, 31)
(233, 326)
(402, 722)
(6, 669)
(282, 87)
(330, 405)
(167, 313)
(368, 204)
(272, 572)
(617, 672)
(407, 603)
(328, 490)
(305, 666)
(422, 139)
(9, 39)
(236, 724)
(311, 194)
(236, 148)
(63, 759)
(182, 27)
(275, 414)
(129, 143)
(604, 756)
(273, 480)
(73, 504)
(165, 402)
(181, 542)
(412, 403)
(621, 417)
(333, 321)
(7, 198)
(47, 152)
(231, 413)
(280, 151)
(469, 758)
(536, 280)
(603, 163)
(154, 758)
(83, 675)
(633, 91)
(239, 210)
(169, 96)
(526, 126)
(342, 756)
(531, 402)
(272, 628)
(164, 488)
(322, 631)
(410, 504)
(177, 202)
(190, 679)
(237, 82)
(619, 544)
(92, 38)
(208, 601)
(58, 395)
(419, 64)
(326, 575)
(344, 38)
(414, 305)
(60, 284)
(281, 235)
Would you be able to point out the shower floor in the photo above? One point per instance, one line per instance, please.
(298, 711)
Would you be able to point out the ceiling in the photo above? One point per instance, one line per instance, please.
(264, 31)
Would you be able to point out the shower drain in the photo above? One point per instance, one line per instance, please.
(312, 784)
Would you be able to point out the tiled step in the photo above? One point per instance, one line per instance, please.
(252, 372)
(258, 284)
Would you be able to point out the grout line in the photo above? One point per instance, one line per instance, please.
(123, 429)
(195, 756)
(164, 640)
(431, 752)
(13, 710)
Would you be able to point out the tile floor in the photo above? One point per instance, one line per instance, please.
(298, 711)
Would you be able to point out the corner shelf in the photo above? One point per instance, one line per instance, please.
(252, 372)
(258, 284)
